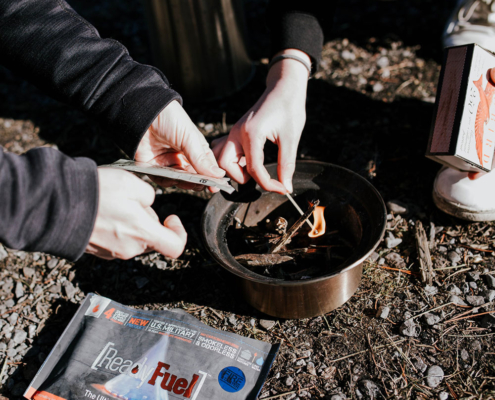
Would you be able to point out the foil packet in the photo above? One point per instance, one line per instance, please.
(171, 173)
(110, 351)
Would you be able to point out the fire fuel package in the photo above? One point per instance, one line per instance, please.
(109, 351)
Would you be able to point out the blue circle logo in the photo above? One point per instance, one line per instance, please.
(231, 379)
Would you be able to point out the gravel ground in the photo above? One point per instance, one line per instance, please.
(369, 109)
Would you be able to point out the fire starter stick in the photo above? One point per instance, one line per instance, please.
(299, 209)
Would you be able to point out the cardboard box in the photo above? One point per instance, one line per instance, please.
(463, 130)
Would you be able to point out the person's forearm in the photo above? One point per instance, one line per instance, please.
(48, 202)
(49, 44)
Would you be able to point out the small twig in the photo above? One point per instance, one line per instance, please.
(469, 316)
(405, 271)
(4, 367)
(286, 393)
(216, 313)
(294, 228)
(364, 351)
(431, 309)
(299, 209)
(457, 272)
(400, 351)
(455, 267)
(475, 249)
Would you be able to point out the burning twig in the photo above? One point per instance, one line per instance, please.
(294, 228)
(299, 209)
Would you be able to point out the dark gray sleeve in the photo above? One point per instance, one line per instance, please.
(296, 24)
(49, 44)
(48, 202)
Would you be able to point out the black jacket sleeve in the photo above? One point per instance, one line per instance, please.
(48, 202)
(49, 44)
(296, 24)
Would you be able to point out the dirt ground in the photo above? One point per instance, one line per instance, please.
(369, 109)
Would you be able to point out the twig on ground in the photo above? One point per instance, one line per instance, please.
(430, 310)
(286, 393)
(457, 272)
(469, 316)
(476, 249)
(426, 266)
(364, 351)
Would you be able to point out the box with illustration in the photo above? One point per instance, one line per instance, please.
(463, 129)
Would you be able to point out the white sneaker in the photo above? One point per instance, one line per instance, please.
(457, 195)
(473, 21)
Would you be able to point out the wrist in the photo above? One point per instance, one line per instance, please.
(288, 70)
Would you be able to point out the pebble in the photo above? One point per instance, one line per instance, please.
(378, 87)
(473, 285)
(431, 318)
(300, 363)
(311, 368)
(338, 397)
(3, 346)
(430, 290)
(70, 290)
(478, 258)
(453, 289)
(19, 290)
(348, 55)
(476, 345)
(32, 331)
(13, 318)
(443, 396)
(457, 300)
(267, 324)
(473, 276)
(28, 272)
(381, 261)
(383, 312)
(464, 355)
(9, 303)
(161, 264)
(367, 389)
(410, 328)
(475, 300)
(209, 128)
(19, 336)
(36, 256)
(252, 322)
(3, 253)
(465, 288)
(392, 242)
(232, 319)
(52, 263)
(141, 282)
(489, 295)
(289, 381)
(442, 249)
(490, 280)
(396, 207)
(355, 70)
(374, 257)
(454, 257)
(420, 365)
(383, 62)
(434, 376)
(396, 260)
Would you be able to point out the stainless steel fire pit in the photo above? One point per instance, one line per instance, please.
(353, 206)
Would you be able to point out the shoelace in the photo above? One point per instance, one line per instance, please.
(464, 16)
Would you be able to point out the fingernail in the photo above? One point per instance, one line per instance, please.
(288, 185)
(217, 171)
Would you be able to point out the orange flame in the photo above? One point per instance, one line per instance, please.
(319, 222)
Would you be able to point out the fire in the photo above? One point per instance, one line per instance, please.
(319, 224)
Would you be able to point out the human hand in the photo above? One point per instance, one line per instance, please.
(126, 225)
(279, 116)
(173, 140)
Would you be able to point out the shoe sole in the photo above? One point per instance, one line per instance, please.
(459, 211)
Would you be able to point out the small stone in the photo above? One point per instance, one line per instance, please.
(476, 345)
(410, 328)
(453, 289)
(3, 346)
(383, 312)
(161, 264)
(311, 368)
(36, 256)
(329, 372)
(368, 389)
(289, 381)
(392, 242)
(19, 290)
(489, 295)
(490, 280)
(232, 319)
(464, 355)
(374, 257)
(9, 303)
(3, 253)
(478, 258)
(141, 282)
(19, 336)
(431, 319)
(355, 70)
(378, 87)
(267, 324)
(70, 290)
(443, 396)
(434, 376)
(52, 263)
(473, 285)
(430, 290)
(13, 318)
(348, 55)
(395, 260)
(55, 288)
(252, 322)
(32, 331)
(454, 257)
(475, 300)
(473, 276)
(420, 365)
(338, 397)
(383, 62)
(465, 288)
(396, 207)
(381, 261)
(209, 128)
(442, 249)
(457, 300)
